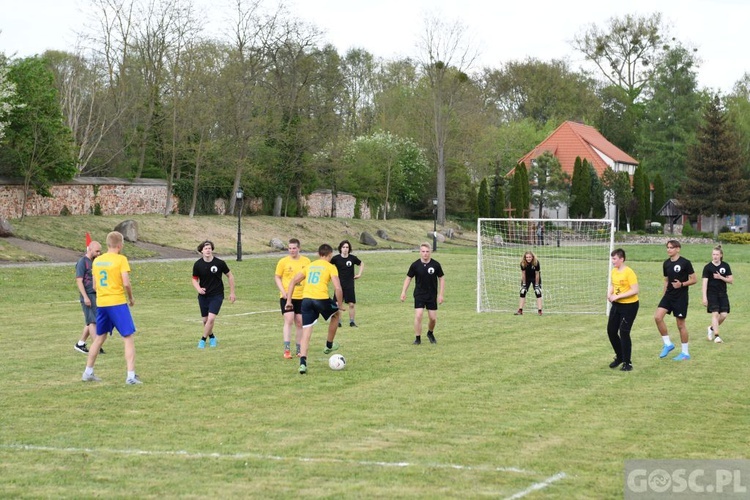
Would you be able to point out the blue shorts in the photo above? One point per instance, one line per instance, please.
(312, 308)
(210, 304)
(89, 312)
(110, 317)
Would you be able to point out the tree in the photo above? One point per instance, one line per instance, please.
(483, 200)
(517, 201)
(639, 195)
(715, 185)
(497, 196)
(617, 188)
(446, 58)
(670, 115)
(580, 190)
(38, 147)
(7, 94)
(598, 208)
(660, 198)
(551, 182)
(738, 114)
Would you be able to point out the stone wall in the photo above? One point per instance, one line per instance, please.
(81, 195)
(318, 204)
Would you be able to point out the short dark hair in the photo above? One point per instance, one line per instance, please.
(345, 242)
(674, 243)
(204, 243)
(294, 241)
(619, 252)
(325, 249)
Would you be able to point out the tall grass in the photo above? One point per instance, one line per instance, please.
(500, 406)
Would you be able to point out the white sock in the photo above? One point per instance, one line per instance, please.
(131, 375)
(81, 342)
(685, 348)
(666, 340)
(89, 371)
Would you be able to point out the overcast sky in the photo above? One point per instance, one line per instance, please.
(501, 30)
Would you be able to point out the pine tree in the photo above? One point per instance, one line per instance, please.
(715, 185)
(598, 209)
(483, 200)
(639, 215)
(580, 190)
(497, 198)
(660, 198)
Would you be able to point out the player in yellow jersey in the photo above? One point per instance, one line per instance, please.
(286, 269)
(316, 301)
(111, 273)
(623, 295)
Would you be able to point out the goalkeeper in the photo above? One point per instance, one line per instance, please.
(531, 277)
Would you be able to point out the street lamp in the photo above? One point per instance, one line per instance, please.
(434, 227)
(238, 197)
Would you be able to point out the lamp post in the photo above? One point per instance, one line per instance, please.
(434, 226)
(238, 197)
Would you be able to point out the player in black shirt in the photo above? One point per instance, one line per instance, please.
(678, 276)
(716, 275)
(208, 281)
(428, 291)
(345, 263)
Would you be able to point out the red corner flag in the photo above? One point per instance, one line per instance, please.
(88, 239)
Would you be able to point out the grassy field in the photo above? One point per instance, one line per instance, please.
(502, 406)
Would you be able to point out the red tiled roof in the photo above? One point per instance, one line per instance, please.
(571, 140)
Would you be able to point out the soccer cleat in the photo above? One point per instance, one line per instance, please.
(212, 342)
(518, 313)
(81, 348)
(133, 381)
(353, 324)
(666, 350)
(710, 333)
(417, 341)
(90, 378)
(287, 354)
(302, 369)
(626, 367)
(202, 344)
(432, 338)
(540, 312)
(334, 347)
(615, 363)
(718, 340)
(101, 351)
(681, 357)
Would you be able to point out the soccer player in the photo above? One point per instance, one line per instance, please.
(345, 263)
(531, 275)
(111, 273)
(286, 269)
(428, 273)
(623, 295)
(716, 275)
(678, 276)
(87, 295)
(316, 302)
(208, 281)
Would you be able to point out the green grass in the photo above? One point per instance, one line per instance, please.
(500, 404)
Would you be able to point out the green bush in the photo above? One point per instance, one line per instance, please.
(737, 238)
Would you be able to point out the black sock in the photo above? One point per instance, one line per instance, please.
(303, 360)
(329, 344)
(203, 338)
(418, 337)
(211, 336)
(429, 333)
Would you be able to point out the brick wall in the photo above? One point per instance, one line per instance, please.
(318, 204)
(80, 196)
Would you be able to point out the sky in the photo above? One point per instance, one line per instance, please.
(501, 31)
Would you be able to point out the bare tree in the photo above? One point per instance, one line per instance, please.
(446, 57)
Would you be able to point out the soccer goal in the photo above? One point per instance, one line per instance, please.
(574, 260)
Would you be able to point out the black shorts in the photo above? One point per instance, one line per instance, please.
(349, 295)
(312, 308)
(210, 304)
(676, 306)
(296, 303)
(717, 303)
(429, 304)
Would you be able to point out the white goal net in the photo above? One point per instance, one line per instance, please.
(574, 260)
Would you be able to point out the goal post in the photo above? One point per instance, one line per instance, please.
(574, 260)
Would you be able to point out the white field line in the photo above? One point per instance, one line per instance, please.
(258, 456)
(539, 486)
(239, 314)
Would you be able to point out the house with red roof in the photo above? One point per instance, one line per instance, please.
(571, 140)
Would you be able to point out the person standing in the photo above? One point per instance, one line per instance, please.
(286, 269)
(316, 301)
(531, 276)
(208, 281)
(429, 291)
(623, 297)
(111, 273)
(345, 263)
(716, 275)
(87, 295)
(678, 276)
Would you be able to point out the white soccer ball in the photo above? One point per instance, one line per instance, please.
(337, 362)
